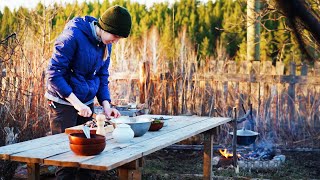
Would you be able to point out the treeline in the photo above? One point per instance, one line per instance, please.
(211, 30)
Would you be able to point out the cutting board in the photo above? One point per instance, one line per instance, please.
(78, 129)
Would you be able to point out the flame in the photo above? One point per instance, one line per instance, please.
(225, 153)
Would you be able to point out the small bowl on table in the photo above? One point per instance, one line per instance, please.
(83, 146)
(164, 119)
(156, 125)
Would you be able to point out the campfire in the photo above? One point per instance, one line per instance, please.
(263, 157)
(249, 154)
(225, 153)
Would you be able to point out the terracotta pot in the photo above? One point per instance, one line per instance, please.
(164, 119)
(83, 146)
(156, 126)
(87, 149)
(80, 138)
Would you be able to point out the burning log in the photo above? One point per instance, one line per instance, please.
(225, 162)
(225, 153)
(226, 158)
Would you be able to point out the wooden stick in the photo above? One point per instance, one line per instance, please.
(234, 140)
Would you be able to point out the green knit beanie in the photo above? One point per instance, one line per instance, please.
(116, 20)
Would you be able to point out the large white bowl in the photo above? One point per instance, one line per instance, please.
(139, 125)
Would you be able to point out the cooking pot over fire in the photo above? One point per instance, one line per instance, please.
(245, 137)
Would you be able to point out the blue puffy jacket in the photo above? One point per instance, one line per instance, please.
(77, 64)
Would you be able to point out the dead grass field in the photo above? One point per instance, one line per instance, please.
(187, 164)
(171, 164)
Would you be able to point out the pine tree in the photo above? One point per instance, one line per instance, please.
(166, 39)
(6, 23)
(233, 26)
(104, 6)
(96, 6)
(204, 48)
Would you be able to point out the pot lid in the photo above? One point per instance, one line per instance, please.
(245, 132)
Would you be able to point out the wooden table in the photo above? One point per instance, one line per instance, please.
(54, 150)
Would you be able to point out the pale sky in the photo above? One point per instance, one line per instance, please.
(15, 4)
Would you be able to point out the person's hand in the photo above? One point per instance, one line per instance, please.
(83, 110)
(111, 112)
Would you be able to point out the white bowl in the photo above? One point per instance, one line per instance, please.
(139, 125)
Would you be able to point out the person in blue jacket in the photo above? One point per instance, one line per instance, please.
(78, 71)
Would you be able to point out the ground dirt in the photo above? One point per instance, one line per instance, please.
(187, 164)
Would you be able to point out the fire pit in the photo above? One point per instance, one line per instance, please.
(258, 164)
(252, 158)
(264, 157)
(261, 158)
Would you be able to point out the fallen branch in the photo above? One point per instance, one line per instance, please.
(296, 142)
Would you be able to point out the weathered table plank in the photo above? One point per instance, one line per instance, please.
(39, 154)
(8, 150)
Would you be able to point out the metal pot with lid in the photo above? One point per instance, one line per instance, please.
(245, 137)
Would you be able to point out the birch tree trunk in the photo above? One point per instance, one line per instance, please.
(253, 30)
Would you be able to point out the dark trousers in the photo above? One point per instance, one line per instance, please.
(61, 117)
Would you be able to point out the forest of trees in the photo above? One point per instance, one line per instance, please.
(212, 30)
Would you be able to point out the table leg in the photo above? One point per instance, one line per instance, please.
(33, 171)
(207, 153)
(131, 170)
